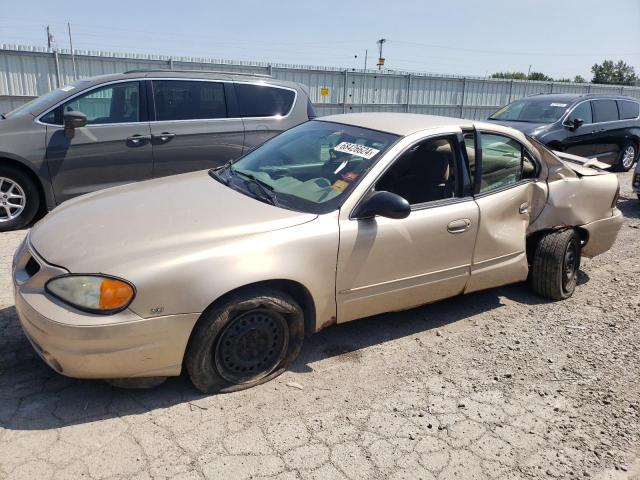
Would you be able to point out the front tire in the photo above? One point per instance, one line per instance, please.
(556, 263)
(19, 198)
(247, 339)
(627, 157)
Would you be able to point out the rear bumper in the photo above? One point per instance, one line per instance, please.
(602, 234)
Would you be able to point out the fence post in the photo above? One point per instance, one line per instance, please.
(170, 63)
(344, 91)
(550, 87)
(408, 91)
(621, 89)
(57, 63)
(270, 70)
(510, 90)
(464, 89)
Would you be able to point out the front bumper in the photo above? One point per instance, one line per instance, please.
(602, 234)
(83, 345)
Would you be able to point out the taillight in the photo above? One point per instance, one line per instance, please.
(616, 197)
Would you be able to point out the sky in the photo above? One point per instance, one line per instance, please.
(561, 38)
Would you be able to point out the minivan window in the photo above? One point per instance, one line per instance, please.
(582, 112)
(263, 101)
(531, 110)
(628, 109)
(115, 103)
(188, 100)
(604, 111)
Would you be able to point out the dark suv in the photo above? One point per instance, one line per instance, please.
(115, 129)
(597, 126)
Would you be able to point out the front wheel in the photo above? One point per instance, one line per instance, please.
(556, 263)
(19, 198)
(248, 339)
(626, 158)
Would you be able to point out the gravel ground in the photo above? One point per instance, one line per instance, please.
(496, 384)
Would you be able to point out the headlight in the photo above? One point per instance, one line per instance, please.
(92, 293)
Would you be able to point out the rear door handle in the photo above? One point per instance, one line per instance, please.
(459, 226)
(524, 208)
(137, 140)
(164, 137)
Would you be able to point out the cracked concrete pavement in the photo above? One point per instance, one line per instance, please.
(496, 384)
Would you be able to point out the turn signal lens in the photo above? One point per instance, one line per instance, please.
(92, 293)
(114, 294)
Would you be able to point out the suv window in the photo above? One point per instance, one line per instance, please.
(628, 109)
(505, 161)
(605, 111)
(424, 173)
(582, 112)
(115, 103)
(263, 101)
(189, 100)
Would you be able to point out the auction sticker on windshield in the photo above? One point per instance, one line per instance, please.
(355, 149)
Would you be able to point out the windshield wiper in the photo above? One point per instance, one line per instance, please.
(3, 115)
(267, 190)
(213, 173)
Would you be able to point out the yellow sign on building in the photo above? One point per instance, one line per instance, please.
(324, 91)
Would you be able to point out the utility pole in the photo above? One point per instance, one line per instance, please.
(73, 57)
(365, 58)
(49, 37)
(380, 57)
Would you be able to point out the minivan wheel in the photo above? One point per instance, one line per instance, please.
(19, 198)
(556, 264)
(248, 339)
(627, 157)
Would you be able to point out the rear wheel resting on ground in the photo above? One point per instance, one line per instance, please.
(19, 198)
(556, 262)
(627, 157)
(246, 339)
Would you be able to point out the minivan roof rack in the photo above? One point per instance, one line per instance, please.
(165, 70)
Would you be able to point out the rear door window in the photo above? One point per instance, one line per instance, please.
(605, 111)
(628, 109)
(582, 112)
(263, 101)
(189, 100)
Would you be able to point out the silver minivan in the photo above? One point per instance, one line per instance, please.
(115, 129)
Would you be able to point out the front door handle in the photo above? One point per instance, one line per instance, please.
(164, 137)
(137, 140)
(524, 208)
(459, 226)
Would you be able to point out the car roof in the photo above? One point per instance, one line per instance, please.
(191, 74)
(574, 97)
(397, 123)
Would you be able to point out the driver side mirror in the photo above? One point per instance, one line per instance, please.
(73, 120)
(383, 204)
(576, 124)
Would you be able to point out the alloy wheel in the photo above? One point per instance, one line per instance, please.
(570, 265)
(628, 157)
(12, 199)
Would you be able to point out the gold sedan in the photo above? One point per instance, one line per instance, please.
(225, 272)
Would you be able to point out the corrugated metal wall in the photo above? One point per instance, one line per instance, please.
(27, 72)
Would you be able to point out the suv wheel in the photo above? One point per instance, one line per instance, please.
(19, 198)
(556, 264)
(627, 157)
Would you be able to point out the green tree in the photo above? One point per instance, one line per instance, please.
(616, 73)
(579, 79)
(539, 76)
(510, 75)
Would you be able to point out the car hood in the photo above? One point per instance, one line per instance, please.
(525, 127)
(101, 230)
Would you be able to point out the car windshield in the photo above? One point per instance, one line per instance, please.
(312, 167)
(47, 99)
(532, 110)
